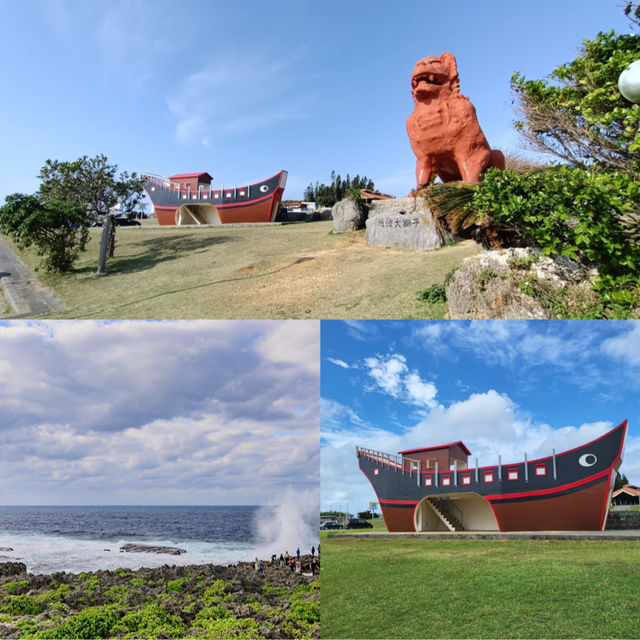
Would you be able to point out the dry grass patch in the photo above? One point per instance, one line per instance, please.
(292, 271)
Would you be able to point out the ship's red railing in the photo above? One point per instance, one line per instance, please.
(389, 459)
(475, 474)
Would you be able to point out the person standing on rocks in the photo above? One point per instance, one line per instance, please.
(281, 560)
(298, 553)
(313, 551)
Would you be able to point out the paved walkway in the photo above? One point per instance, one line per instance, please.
(21, 287)
(611, 534)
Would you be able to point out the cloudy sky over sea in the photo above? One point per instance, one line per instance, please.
(185, 413)
(244, 89)
(503, 387)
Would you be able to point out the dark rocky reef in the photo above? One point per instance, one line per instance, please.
(147, 548)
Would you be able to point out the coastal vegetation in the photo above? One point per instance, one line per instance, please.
(71, 196)
(168, 602)
(393, 588)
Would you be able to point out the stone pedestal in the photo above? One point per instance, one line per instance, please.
(402, 223)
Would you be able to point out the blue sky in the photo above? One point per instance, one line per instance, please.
(190, 412)
(503, 387)
(245, 89)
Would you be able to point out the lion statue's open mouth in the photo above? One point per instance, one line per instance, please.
(443, 128)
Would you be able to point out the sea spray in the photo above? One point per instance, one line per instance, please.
(292, 522)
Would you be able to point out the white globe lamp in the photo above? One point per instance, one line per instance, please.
(629, 82)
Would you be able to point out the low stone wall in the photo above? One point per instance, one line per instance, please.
(303, 216)
(623, 520)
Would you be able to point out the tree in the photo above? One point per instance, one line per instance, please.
(94, 184)
(52, 226)
(365, 515)
(579, 115)
(621, 480)
(327, 195)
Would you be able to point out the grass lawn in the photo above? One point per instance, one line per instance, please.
(479, 589)
(292, 271)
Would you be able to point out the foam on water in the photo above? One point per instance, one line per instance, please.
(290, 523)
(48, 553)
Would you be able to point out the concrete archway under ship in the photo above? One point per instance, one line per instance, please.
(195, 214)
(457, 512)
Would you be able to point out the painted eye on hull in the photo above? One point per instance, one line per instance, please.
(264, 188)
(587, 460)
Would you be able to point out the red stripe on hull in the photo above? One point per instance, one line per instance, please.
(579, 510)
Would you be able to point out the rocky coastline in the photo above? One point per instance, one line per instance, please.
(199, 601)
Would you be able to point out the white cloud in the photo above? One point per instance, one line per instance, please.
(236, 94)
(625, 346)
(392, 376)
(134, 412)
(419, 391)
(388, 373)
(339, 363)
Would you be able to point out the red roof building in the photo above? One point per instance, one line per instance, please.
(446, 456)
(192, 181)
(628, 494)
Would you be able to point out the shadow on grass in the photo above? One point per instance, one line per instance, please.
(200, 286)
(156, 250)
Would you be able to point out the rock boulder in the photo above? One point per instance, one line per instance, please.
(498, 284)
(348, 216)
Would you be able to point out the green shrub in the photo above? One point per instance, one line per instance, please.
(117, 593)
(435, 293)
(304, 612)
(564, 211)
(92, 582)
(15, 588)
(213, 612)
(55, 593)
(22, 605)
(152, 621)
(215, 592)
(279, 591)
(176, 585)
(94, 622)
(228, 628)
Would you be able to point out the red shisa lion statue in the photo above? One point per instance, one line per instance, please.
(443, 128)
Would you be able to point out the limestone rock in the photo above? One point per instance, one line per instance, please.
(492, 284)
(347, 216)
(403, 223)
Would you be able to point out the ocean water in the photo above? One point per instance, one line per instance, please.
(87, 538)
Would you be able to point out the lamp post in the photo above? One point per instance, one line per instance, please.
(629, 82)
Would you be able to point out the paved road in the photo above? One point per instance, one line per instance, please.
(21, 287)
